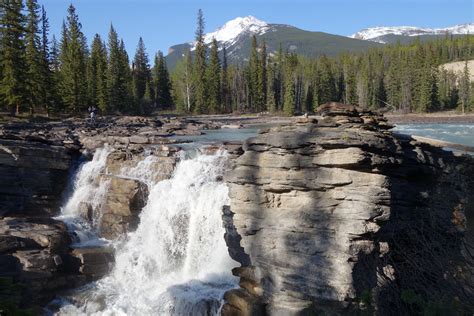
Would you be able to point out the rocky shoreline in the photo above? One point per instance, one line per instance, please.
(327, 214)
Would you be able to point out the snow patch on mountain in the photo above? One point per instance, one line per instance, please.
(229, 33)
(373, 33)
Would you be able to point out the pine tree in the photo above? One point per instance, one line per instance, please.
(289, 104)
(225, 87)
(253, 77)
(199, 77)
(327, 87)
(262, 78)
(13, 64)
(97, 74)
(464, 89)
(350, 81)
(35, 81)
(271, 87)
(55, 67)
(47, 82)
(118, 75)
(214, 80)
(73, 58)
(162, 83)
(141, 71)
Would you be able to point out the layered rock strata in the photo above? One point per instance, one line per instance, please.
(342, 217)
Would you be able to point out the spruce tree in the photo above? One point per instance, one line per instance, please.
(464, 89)
(47, 82)
(199, 77)
(162, 83)
(225, 87)
(262, 78)
(97, 74)
(13, 64)
(289, 103)
(253, 77)
(271, 87)
(73, 87)
(214, 80)
(141, 71)
(327, 88)
(35, 76)
(118, 75)
(55, 67)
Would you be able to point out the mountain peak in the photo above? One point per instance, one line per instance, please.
(374, 33)
(228, 33)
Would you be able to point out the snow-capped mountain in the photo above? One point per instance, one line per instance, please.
(229, 32)
(236, 36)
(377, 34)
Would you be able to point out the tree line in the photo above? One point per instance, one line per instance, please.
(402, 78)
(67, 76)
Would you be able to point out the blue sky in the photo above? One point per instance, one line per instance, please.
(163, 23)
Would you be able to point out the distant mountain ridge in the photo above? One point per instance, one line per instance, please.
(384, 34)
(236, 36)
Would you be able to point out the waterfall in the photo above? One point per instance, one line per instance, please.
(176, 262)
(87, 191)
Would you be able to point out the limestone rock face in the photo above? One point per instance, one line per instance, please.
(35, 253)
(124, 201)
(33, 176)
(342, 217)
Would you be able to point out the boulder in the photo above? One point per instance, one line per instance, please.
(124, 200)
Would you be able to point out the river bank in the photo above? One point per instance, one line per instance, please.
(446, 117)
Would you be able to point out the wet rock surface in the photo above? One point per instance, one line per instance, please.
(37, 255)
(342, 217)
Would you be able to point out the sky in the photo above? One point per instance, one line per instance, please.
(163, 23)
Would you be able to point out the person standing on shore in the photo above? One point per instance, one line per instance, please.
(92, 113)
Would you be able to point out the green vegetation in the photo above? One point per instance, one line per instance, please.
(67, 77)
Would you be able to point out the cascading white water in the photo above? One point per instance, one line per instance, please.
(176, 262)
(86, 189)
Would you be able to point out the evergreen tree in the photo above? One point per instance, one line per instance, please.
(35, 79)
(162, 83)
(262, 78)
(253, 77)
(428, 91)
(271, 87)
(141, 71)
(13, 64)
(118, 75)
(97, 74)
(225, 87)
(289, 104)
(199, 76)
(73, 87)
(47, 82)
(327, 83)
(214, 80)
(464, 90)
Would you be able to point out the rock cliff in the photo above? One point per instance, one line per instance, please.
(343, 217)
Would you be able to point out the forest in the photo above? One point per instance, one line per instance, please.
(65, 76)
